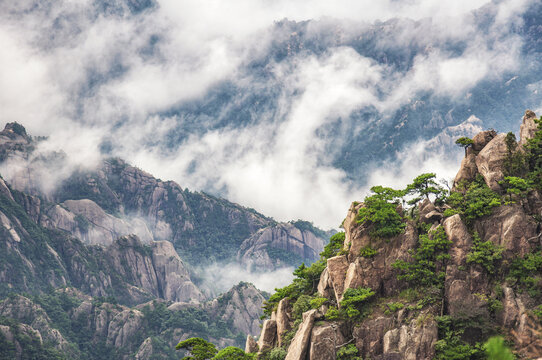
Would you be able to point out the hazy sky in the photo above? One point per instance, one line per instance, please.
(88, 71)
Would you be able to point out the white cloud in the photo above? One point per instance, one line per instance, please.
(84, 78)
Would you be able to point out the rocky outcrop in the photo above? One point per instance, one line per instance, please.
(489, 161)
(300, 344)
(242, 306)
(283, 319)
(414, 341)
(280, 245)
(337, 267)
(467, 170)
(480, 140)
(123, 328)
(528, 127)
(325, 340)
(251, 345)
(268, 335)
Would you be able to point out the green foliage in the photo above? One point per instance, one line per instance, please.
(538, 313)
(392, 307)
(515, 186)
(354, 302)
(199, 349)
(302, 304)
(232, 353)
(368, 252)
(534, 156)
(527, 272)
(451, 345)
(484, 253)
(496, 349)
(334, 246)
(429, 260)
(464, 142)
(305, 283)
(277, 353)
(380, 210)
(514, 163)
(348, 352)
(332, 314)
(317, 302)
(478, 200)
(423, 186)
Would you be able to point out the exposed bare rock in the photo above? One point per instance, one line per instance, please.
(337, 267)
(324, 285)
(251, 345)
(414, 341)
(173, 278)
(349, 223)
(255, 252)
(481, 139)
(91, 224)
(490, 161)
(461, 239)
(369, 336)
(123, 328)
(429, 214)
(300, 344)
(467, 171)
(325, 340)
(242, 305)
(528, 127)
(283, 319)
(4, 190)
(377, 272)
(268, 335)
(145, 350)
(509, 226)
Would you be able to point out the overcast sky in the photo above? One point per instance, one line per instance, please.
(86, 71)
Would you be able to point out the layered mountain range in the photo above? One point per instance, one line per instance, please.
(111, 257)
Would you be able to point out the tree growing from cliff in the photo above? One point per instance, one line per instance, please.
(534, 156)
(380, 210)
(464, 142)
(199, 349)
(423, 186)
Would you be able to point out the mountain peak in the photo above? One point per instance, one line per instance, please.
(14, 129)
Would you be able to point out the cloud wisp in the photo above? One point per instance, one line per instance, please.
(93, 73)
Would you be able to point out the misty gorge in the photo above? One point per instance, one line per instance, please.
(285, 180)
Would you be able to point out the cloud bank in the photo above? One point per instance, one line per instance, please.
(95, 73)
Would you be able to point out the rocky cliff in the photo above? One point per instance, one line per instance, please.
(448, 276)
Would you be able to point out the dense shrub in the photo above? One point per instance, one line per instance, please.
(484, 253)
(380, 210)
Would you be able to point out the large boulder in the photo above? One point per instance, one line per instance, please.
(123, 328)
(528, 127)
(414, 341)
(509, 226)
(369, 335)
(268, 335)
(324, 285)
(337, 267)
(251, 346)
(468, 170)
(489, 161)
(283, 319)
(300, 344)
(482, 139)
(325, 340)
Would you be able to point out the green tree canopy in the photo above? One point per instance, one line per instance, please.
(232, 353)
(381, 210)
(422, 186)
(199, 349)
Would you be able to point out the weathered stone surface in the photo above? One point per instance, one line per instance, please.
(253, 252)
(369, 336)
(467, 171)
(337, 267)
(251, 345)
(123, 328)
(268, 336)
(528, 127)
(481, 139)
(145, 350)
(283, 319)
(349, 223)
(490, 161)
(300, 344)
(509, 226)
(324, 342)
(429, 214)
(173, 278)
(324, 285)
(414, 341)
(461, 239)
